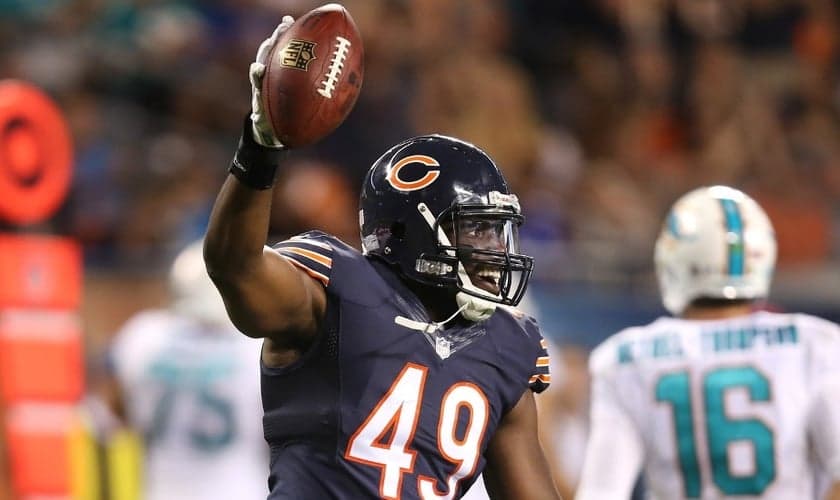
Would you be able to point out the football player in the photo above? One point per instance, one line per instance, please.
(400, 371)
(186, 380)
(722, 400)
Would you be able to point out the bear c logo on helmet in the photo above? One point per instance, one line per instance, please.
(427, 179)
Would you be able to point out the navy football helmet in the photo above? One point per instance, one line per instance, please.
(440, 211)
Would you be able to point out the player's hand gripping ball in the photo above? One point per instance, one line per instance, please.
(306, 77)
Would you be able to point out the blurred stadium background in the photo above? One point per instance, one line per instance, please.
(600, 113)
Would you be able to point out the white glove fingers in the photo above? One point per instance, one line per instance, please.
(255, 73)
(261, 128)
(256, 107)
(265, 50)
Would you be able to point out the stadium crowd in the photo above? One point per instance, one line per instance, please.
(599, 112)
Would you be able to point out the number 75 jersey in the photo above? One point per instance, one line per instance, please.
(747, 407)
(378, 408)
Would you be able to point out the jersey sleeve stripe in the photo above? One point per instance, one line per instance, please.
(309, 254)
(319, 258)
(539, 382)
(307, 241)
(541, 378)
(314, 274)
(309, 261)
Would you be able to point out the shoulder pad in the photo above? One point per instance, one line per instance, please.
(312, 252)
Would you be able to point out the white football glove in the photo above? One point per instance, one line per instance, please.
(263, 133)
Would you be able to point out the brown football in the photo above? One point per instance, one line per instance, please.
(313, 76)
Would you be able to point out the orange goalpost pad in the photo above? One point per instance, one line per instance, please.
(51, 452)
(41, 356)
(40, 271)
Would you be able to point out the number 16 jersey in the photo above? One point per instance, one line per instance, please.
(742, 408)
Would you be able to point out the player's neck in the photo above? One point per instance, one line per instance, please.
(439, 303)
(717, 312)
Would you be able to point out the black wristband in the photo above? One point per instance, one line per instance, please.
(253, 164)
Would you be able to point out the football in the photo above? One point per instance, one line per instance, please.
(313, 76)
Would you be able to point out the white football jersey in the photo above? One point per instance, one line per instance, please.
(740, 408)
(194, 393)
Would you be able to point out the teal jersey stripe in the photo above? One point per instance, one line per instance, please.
(673, 227)
(735, 236)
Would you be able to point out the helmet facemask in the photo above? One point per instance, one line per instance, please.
(477, 253)
(439, 210)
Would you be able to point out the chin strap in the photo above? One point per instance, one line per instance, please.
(444, 346)
(472, 308)
(431, 327)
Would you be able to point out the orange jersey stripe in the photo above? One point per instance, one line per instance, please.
(315, 274)
(309, 254)
(309, 241)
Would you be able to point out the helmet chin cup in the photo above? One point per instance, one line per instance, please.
(474, 309)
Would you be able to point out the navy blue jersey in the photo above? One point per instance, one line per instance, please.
(377, 408)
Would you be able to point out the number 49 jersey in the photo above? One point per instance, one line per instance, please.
(738, 408)
(380, 407)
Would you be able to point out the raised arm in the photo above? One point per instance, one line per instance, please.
(516, 464)
(264, 294)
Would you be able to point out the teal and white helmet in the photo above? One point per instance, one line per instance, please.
(193, 293)
(716, 242)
